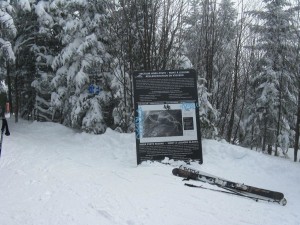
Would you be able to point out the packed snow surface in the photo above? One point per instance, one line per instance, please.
(52, 175)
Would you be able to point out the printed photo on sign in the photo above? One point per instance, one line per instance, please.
(167, 122)
(188, 123)
(162, 123)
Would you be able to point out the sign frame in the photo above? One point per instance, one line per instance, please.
(167, 123)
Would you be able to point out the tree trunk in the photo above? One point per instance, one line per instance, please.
(252, 136)
(17, 99)
(296, 145)
(8, 70)
(270, 149)
(279, 114)
(264, 135)
(235, 87)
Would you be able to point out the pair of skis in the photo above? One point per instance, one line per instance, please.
(233, 188)
(4, 128)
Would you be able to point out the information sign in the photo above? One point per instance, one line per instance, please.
(166, 115)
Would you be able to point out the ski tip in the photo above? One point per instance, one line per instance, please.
(283, 202)
(175, 171)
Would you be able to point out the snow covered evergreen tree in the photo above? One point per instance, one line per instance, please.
(147, 36)
(225, 69)
(210, 45)
(295, 67)
(273, 83)
(84, 61)
(25, 69)
(45, 48)
(8, 32)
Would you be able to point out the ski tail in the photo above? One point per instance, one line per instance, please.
(185, 174)
(263, 192)
(7, 133)
(2, 131)
(5, 127)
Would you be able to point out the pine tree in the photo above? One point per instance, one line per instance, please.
(295, 66)
(46, 46)
(147, 35)
(210, 42)
(82, 62)
(8, 32)
(25, 68)
(273, 80)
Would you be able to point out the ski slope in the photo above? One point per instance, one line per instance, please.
(52, 175)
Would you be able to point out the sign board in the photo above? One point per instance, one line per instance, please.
(166, 115)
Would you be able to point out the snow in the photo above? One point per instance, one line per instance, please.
(24, 4)
(51, 174)
(41, 11)
(5, 47)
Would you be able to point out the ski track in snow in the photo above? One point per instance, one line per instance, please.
(52, 175)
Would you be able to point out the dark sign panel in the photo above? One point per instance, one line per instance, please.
(166, 115)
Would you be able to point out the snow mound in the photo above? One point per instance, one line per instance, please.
(51, 174)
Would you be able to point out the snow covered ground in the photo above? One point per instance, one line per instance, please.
(52, 175)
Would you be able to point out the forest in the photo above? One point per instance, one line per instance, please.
(71, 62)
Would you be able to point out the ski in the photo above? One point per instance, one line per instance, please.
(7, 133)
(1, 141)
(240, 189)
(231, 192)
